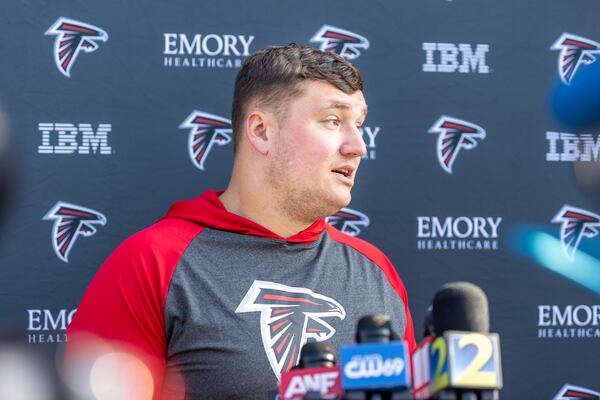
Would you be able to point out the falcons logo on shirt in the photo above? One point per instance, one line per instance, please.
(572, 392)
(289, 317)
(70, 222)
(340, 41)
(73, 37)
(348, 221)
(454, 134)
(574, 51)
(576, 223)
(205, 130)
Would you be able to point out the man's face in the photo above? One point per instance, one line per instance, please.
(316, 151)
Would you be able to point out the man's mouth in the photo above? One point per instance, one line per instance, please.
(343, 171)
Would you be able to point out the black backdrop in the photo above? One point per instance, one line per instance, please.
(486, 63)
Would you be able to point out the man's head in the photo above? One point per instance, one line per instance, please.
(296, 118)
(273, 76)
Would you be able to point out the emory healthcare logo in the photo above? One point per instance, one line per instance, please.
(348, 221)
(205, 130)
(70, 222)
(289, 317)
(576, 223)
(72, 37)
(574, 51)
(454, 134)
(572, 392)
(340, 41)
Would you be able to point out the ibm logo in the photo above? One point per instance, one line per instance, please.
(452, 58)
(71, 138)
(570, 147)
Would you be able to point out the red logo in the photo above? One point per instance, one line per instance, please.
(572, 392)
(289, 317)
(73, 37)
(574, 51)
(348, 221)
(576, 224)
(70, 222)
(205, 131)
(340, 41)
(454, 134)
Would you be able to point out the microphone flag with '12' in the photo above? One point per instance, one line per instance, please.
(315, 377)
(376, 367)
(464, 357)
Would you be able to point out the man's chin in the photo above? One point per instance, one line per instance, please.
(340, 203)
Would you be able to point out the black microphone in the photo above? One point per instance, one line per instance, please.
(377, 368)
(315, 377)
(460, 306)
(465, 357)
(316, 354)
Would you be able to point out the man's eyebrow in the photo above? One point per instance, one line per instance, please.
(343, 106)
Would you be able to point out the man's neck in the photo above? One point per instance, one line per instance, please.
(260, 209)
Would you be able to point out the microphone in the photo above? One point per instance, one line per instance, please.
(316, 376)
(464, 357)
(421, 372)
(577, 104)
(378, 366)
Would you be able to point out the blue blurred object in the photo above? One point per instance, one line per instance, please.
(577, 105)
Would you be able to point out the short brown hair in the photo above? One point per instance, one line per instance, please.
(273, 75)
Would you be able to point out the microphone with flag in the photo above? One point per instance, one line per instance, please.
(464, 356)
(315, 377)
(378, 367)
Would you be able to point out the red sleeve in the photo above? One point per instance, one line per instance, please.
(375, 255)
(124, 303)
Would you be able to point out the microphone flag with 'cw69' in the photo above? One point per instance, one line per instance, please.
(375, 366)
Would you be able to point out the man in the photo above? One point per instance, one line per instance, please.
(218, 297)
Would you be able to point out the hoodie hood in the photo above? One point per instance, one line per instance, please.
(208, 210)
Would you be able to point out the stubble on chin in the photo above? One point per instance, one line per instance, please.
(296, 203)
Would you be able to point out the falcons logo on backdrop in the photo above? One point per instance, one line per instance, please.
(340, 41)
(73, 37)
(576, 223)
(348, 221)
(574, 52)
(454, 134)
(289, 317)
(205, 130)
(572, 392)
(70, 222)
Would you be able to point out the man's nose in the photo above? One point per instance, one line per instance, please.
(354, 145)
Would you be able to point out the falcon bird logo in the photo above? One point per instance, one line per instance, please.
(340, 41)
(289, 317)
(576, 223)
(574, 52)
(70, 222)
(73, 37)
(205, 130)
(454, 134)
(572, 392)
(348, 221)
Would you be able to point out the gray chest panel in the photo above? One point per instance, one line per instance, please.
(239, 308)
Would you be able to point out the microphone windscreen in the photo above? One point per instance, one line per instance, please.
(460, 306)
(577, 104)
(375, 329)
(317, 354)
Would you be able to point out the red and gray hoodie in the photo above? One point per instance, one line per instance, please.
(218, 306)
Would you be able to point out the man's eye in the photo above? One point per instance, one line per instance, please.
(333, 122)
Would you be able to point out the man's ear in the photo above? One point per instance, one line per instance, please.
(259, 129)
